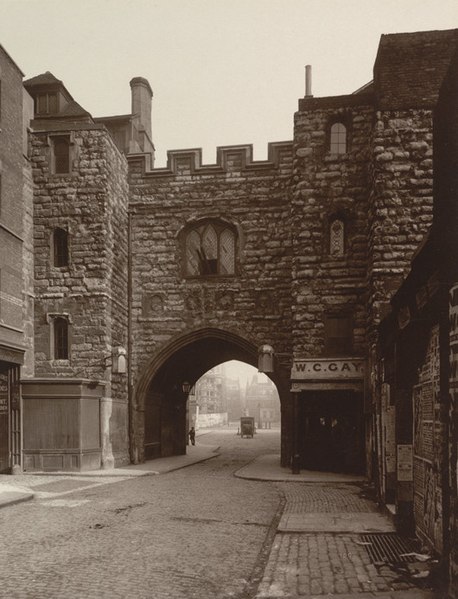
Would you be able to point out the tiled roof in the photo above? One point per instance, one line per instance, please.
(410, 67)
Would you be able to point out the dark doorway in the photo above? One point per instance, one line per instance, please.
(332, 431)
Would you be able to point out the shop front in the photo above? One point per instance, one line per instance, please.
(328, 424)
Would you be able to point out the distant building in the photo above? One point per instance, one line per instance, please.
(262, 401)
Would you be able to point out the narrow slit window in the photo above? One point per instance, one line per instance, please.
(60, 243)
(61, 339)
(61, 150)
(338, 141)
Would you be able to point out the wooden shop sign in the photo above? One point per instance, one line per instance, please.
(345, 368)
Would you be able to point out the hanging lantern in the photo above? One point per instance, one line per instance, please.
(266, 358)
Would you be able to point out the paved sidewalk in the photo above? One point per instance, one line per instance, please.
(326, 538)
(26, 486)
(267, 467)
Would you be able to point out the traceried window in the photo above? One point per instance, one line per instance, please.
(61, 154)
(337, 237)
(338, 139)
(60, 334)
(210, 250)
(60, 247)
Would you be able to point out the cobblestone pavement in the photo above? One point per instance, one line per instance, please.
(321, 564)
(197, 532)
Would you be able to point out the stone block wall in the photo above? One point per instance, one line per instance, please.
(401, 200)
(90, 203)
(253, 197)
(325, 186)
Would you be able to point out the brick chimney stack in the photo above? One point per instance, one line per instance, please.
(142, 96)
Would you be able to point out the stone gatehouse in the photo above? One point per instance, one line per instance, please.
(145, 277)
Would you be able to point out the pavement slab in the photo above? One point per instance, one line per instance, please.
(337, 523)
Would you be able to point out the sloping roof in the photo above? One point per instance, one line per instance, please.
(42, 79)
(410, 67)
(73, 109)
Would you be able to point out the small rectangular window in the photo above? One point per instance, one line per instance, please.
(338, 335)
(60, 247)
(61, 155)
(60, 339)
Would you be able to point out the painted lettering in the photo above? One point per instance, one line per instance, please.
(300, 366)
(317, 367)
(345, 366)
(332, 367)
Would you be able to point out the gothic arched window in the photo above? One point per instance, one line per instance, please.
(338, 139)
(337, 237)
(210, 249)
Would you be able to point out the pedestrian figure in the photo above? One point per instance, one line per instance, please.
(192, 435)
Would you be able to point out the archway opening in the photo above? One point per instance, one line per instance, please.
(231, 391)
(170, 408)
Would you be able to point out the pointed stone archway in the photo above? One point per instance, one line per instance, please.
(159, 407)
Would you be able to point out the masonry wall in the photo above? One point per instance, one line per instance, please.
(324, 186)
(401, 201)
(91, 204)
(255, 303)
(12, 163)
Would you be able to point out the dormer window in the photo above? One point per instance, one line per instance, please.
(338, 139)
(46, 103)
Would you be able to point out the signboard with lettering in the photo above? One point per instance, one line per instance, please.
(328, 369)
(405, 463)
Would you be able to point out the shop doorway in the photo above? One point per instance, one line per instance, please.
(331, 437)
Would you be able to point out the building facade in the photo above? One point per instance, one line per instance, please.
(16, 267)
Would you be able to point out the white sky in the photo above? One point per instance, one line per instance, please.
(223, 71)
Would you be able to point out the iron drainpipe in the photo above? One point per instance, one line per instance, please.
(295, 466)
(130, 407)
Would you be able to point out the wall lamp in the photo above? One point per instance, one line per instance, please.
(266, 358)
(118, 360)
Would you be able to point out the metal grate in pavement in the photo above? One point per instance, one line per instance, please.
(389, 547)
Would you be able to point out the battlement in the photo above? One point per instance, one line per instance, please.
(228, 158)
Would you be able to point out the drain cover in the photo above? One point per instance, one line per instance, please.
(389, 547)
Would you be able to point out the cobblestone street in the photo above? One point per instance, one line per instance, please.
(196, 532)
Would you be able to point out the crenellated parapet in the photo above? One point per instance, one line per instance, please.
(228, 158)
